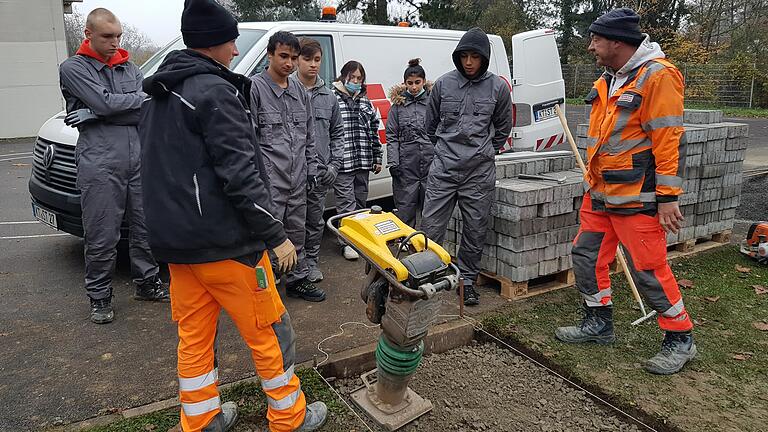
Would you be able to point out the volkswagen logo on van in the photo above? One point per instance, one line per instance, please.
(48, 156)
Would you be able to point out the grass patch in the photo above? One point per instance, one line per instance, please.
(252, 409)
(715, 392)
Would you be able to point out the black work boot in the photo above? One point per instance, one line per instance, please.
(101, 310)
(304, 289)
(471, 297)
(152, 290)
(677, 349)
(597, 326)
(224, 420)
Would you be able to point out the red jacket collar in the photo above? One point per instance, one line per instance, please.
(120, 57)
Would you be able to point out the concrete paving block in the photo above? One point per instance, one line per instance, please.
(563, 220)
(517, 259)
(555, 208)
(714, 183)
(582, 130)
(549, 267)
(565, 263)
(488, 263)
(702, 116)
(548, 252)
(672, 238)
(716, 132)
(713, 170)
(693, 160)
(700, 231)
(525, 243)
(695, 135)
(736, 130)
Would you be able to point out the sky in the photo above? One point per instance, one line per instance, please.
(158, 19)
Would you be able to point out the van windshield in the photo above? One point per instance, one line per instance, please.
(244, 44)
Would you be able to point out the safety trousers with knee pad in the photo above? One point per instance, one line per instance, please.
(645, 243)
(198, 293)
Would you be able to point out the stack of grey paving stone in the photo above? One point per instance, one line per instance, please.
(534, 222)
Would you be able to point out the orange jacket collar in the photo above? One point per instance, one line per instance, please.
(120, 57)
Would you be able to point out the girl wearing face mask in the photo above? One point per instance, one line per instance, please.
(362, 148)
(409, 150)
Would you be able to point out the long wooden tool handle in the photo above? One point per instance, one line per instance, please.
(619, 253)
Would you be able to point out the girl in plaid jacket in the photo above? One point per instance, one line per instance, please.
(362, 148)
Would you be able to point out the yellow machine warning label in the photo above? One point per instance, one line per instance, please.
(386, 227)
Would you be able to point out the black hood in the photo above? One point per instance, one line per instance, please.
(180, 65)
(475, 40)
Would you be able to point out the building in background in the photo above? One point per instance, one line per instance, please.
(32, 45)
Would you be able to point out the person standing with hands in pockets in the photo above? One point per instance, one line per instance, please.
(362, 149)
(409, 150)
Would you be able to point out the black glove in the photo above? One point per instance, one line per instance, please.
(311, 183)
(79, 117)
(329, 176)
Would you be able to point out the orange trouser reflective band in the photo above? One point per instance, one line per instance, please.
(645, 243)
(198, 292)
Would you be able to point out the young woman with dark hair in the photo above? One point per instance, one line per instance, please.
(409, 150)
(362, 149)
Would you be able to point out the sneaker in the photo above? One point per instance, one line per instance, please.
(471, 297)
(596, 326)
(152, 290)
(349, 253)
(315, 417)
(101, 311)
(677, 349)
(224, 420)
(305, 290)
(315, 275)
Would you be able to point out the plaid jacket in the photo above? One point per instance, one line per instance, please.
(362, 149)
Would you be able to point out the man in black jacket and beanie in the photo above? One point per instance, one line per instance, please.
(206, 198)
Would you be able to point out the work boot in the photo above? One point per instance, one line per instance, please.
(597, 326)
(305, 290)
(315, 275)
(152, 290)
(677, 349)
(224, 420)
(471, 297)
(315, 417)
(101, 310)
(349, 253)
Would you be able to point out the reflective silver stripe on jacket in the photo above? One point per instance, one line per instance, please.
(662, 122)
(286, 402)
(668, 180)
(278, 381)
(643, 197)
(198, 408)
(198, 382)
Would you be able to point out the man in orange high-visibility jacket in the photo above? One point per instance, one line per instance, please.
(207, 209)
(636, 154)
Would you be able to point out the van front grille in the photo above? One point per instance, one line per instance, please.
(61, 175)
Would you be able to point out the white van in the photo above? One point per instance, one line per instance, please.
(536, 84)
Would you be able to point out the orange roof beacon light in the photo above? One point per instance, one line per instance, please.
(403, 24)
(329, 14)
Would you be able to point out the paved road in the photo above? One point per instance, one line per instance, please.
(55, 366)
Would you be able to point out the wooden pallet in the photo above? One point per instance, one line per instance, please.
(693, 246)
(521, 290)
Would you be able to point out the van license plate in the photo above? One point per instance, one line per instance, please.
(45, 216)
(545, 114)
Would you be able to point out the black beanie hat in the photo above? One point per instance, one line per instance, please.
(205, 23)
(621, 24)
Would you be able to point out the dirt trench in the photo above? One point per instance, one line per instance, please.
(486, 388)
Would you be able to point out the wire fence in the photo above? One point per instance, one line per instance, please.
(715, 84)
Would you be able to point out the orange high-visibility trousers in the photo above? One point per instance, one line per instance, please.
(646, 245)
(198, 292)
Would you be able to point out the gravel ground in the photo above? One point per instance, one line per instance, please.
(462, 382)
(754, 199)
